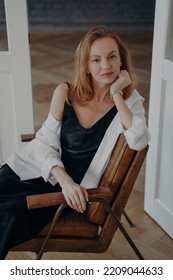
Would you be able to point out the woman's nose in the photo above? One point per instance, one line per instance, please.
(105, 64)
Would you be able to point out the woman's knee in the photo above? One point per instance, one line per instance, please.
(7, 184)
(13, 203)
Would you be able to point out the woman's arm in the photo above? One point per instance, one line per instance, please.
(75, 195)
(58, 100)
(137, 135)
(47, 152)
(47, 146)
(132, 114)
(123, 110)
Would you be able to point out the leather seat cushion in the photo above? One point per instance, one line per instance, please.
(72, 223)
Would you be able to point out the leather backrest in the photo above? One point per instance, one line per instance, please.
(117, 168)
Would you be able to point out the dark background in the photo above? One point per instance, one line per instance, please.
(81, 15)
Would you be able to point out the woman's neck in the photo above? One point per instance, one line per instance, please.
(100, 94)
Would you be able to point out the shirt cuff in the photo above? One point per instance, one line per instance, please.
(46, 170)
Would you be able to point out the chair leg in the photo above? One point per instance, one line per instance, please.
(55, 218)
(131, 224)
(124, 232)
(109, 209)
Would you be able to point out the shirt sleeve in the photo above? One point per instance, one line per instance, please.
(47, 148)
(137, 135)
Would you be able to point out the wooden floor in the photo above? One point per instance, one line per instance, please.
(52, 63)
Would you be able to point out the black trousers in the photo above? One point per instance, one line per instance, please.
(17, 223)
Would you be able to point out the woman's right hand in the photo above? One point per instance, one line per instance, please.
(76, 196)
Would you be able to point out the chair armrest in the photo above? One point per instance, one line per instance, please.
(27, 137)
(57, 198)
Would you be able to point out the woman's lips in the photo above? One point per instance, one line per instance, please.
(108, 74)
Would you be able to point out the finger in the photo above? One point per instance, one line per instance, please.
(82, 200)
(70, 203)
(70, 197)
(76, 202)
(81, 197)
(85, 194)
(124, 73)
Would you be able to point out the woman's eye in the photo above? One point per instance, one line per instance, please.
(112, 56)
(97, 60)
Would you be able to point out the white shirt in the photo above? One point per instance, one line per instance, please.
(39, 156)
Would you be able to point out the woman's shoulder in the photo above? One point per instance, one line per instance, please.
(58, 100)
(61, 91)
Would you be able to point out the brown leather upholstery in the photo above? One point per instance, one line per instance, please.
(72, 223)
(113, 177)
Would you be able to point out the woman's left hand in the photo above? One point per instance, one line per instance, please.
(122, 81)
(125, 113)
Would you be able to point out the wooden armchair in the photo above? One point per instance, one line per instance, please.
(92, 231)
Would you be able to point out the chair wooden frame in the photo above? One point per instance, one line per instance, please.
(108, 200)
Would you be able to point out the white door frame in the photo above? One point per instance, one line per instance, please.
(16, 104)
(159, 167)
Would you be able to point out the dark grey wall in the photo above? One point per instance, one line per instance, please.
(80, 14)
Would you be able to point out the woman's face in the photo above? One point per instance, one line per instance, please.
(104, 61)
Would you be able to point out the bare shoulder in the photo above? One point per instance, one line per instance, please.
(58, 100)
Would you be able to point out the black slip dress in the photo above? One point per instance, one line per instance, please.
(80, 144)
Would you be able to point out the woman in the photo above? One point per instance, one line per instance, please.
(71, 150)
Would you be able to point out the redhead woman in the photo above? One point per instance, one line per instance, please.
(72, 148)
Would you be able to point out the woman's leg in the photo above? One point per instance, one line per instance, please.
(7, 229)
(17, 224)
